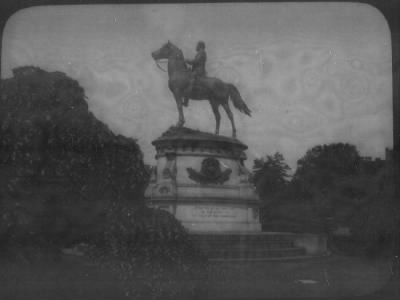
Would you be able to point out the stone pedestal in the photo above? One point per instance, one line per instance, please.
(201, 179)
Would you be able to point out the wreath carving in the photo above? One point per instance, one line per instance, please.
(210, 172)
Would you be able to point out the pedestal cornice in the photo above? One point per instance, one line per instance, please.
(186, 141)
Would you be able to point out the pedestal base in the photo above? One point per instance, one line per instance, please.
(202, 217)
(201, 179)
(239, 246)
(220, 227)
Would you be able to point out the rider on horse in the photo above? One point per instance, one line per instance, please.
(198, 68)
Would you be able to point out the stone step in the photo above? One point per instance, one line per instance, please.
(245, 245)
(254, 254)
(251, 246)
(243, 237)
(278, 240)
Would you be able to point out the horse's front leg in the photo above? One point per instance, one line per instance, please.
(214, 106)
(179, 102)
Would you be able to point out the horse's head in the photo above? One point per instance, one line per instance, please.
(163, 52)
(166, 51)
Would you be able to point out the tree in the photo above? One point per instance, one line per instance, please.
(270, 175)
(66, 178)
(349, 190)
(323, 177)
(60, 167)
(319, 168)
(375, 215)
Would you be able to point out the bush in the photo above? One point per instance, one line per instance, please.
(65, 178)
(61, 168)
(151, 252)
(291, 216)
(375, 225)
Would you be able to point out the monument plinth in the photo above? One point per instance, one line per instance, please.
(201, 179)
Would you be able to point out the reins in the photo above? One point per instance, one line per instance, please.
(157, 61)
(166, 60)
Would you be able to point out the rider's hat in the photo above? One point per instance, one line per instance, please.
(201, 45)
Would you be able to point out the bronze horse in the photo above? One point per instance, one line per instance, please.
(212, 89)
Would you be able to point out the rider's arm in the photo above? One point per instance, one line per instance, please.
(192, 61)
(200, 57)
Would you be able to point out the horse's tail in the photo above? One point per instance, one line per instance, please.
(237, 100)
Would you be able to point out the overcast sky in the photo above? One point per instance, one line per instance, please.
(311, 73)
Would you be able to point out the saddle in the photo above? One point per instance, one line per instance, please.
(197, 81)
(198, 87)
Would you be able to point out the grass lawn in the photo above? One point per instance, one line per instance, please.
(331, 277)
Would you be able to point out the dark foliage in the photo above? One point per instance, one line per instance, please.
(66, 178)
(270, 175)
(152, 253)
(352, 191)
(333, 187)
(60, 166)
(321, 165)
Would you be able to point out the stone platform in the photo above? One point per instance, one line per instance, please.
(260, 246)
(201, 179)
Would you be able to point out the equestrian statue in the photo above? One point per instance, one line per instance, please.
(193, 83)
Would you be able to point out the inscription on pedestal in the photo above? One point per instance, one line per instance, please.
(208, 212)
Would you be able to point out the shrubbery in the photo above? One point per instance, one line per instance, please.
(375, 226)
(60, 167)
(65, 178)
(152, 253)
(333, 187)
(292, 216)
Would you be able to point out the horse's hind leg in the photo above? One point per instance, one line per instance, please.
(228, 111)
(217, 115)
(178, 99)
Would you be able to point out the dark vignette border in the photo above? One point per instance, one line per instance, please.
(389, 8)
